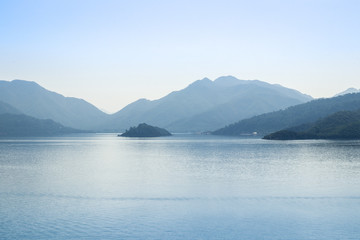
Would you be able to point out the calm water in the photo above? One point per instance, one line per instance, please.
(184, 187)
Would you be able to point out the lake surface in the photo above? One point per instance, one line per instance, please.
(99, 186)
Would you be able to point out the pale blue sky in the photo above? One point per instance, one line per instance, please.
(113, 52)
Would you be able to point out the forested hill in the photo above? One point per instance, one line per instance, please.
(15, 125)
(293, 116)
(341, 125)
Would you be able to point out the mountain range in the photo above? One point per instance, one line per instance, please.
(207, 105)
(202, 106)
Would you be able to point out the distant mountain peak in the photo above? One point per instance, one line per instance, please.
(203, 82)
(347, 91)
(227, 81)
(24, 82)
(142, 100)
(226, 78)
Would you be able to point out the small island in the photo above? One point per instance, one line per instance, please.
(145, 130)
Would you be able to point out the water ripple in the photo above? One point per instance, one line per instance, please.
(234, 198)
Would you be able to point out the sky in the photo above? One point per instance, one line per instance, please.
(113, 52)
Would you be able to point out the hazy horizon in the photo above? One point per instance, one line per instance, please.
(112, 53)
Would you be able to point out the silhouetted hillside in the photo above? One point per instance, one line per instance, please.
(341, 125)
(292, 116)
(14, 125)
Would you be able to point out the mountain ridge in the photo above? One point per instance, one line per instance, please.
(203, 98)
(201, 106)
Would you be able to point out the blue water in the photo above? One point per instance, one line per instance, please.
(99, 186)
